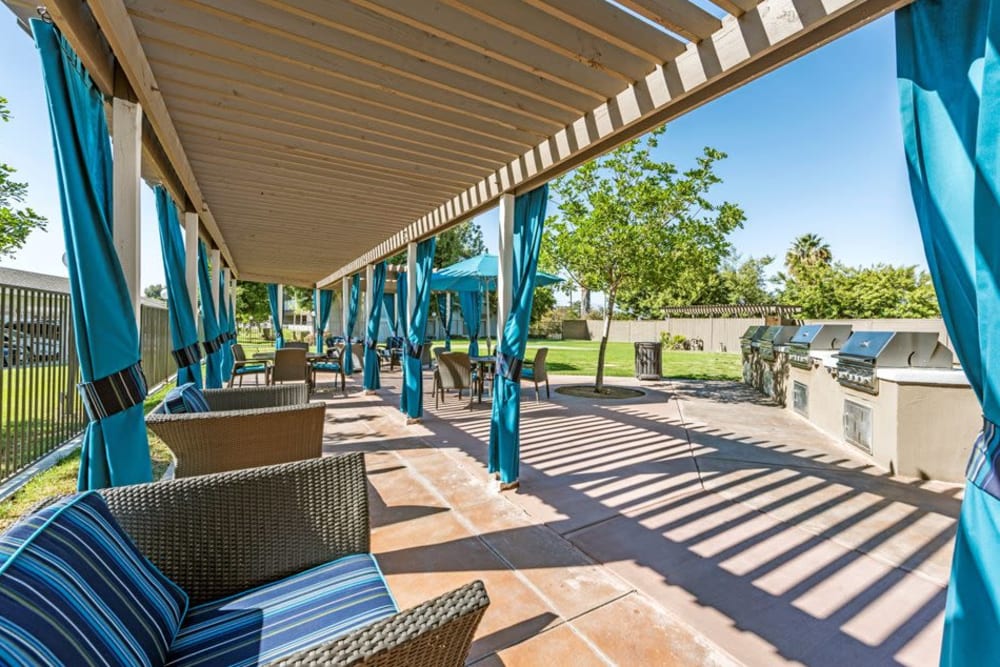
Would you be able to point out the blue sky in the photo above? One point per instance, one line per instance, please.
(813, 147)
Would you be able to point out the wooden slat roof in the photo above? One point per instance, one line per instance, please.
(316, 136)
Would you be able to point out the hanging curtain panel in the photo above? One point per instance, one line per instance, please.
(183, 328)
(322, 310)
(411, 397)
(232, 319)
(225, 330)
(505, 422)
(442, 310)
(372, 380)
(401, 318)
(115, 447)
(389, 307)
(949, 86)
(352, 319)
(471, 304)
(447, 325)
(209, 323)
(272, 301)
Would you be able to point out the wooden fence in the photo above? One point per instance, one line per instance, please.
(39, 405)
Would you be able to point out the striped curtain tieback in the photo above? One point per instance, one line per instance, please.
(214, 345)
(113, 393)
(984, 464)
(187, 356)
(414, 351)
(509, 366)
(371, 343)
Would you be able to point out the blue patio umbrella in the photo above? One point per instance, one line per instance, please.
(479, 274)
(948, 70)
(115, 447)
(183, 328)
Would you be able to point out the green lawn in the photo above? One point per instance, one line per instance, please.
(579, 357)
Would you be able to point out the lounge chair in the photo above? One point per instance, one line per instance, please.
(536, 372)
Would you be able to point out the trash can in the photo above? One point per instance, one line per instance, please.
(649, 361)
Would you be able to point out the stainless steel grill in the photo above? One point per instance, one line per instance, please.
(747, 338)
(812, 337)
(775, 337)
(866, 351)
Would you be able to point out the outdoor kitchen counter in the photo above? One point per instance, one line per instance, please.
(951, 378)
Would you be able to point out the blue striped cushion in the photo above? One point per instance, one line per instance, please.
(185, 399)
(284, 617)
(75, 590)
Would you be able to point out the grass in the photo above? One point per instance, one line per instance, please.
(579, 357)
(60, 479)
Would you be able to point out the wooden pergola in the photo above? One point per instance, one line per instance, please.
(308, 140)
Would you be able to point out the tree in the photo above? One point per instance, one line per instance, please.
(15, 223)
(252, 303)
(807, 250)
(628, 223)
(460, 242)
(744, 282)
(154, 292)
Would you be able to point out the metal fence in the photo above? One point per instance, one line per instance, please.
(39, 405)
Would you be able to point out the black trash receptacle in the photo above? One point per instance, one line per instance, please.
(649, 361)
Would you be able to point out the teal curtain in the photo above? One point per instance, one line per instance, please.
(232, 318)
(949, 86)
(352, 319)
(471, 304)
(322, 310)
(505, 439)
(115, 447)
(389, 306)
(225, 329)
(209, 323)
(183, 328)
(400, 304)
(272, 301)
(445, 317)
(411, 400)
(371, 378)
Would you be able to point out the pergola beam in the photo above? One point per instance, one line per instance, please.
(109, 18)
(743, 49)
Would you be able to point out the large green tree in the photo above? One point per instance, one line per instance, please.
(807, 251)
(629, 224)
(251, 302)
(16, 223)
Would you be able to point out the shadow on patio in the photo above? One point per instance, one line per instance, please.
(682, 526)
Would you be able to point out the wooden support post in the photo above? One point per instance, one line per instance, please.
(369, 294)
(411, 284)
(505, 271)
(345, 308)
(191, 259)
(126, 120)
(281, 311)
(215, 260)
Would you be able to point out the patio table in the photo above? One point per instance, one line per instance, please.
(482, 364)
(311, 357)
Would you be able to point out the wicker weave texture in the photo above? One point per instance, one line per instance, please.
(437, 633)
(217, 535)
(208, 442)
(248, 398)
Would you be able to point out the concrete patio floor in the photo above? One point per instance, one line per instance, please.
(696, 525)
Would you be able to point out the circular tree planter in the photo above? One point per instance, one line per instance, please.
(609, 392)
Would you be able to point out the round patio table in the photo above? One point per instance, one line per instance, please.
(482, 364)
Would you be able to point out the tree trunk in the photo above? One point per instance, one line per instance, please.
(608, 312)
(584, 302)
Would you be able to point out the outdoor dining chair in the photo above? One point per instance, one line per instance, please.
(454, 371)
(290, 365)
(243, 367)
(537, 372)
(330, 364)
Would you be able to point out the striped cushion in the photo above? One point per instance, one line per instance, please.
(284, 617)
(185, 399)
(74, 590)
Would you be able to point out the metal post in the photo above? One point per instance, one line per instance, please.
(505, 273)
(126, 119)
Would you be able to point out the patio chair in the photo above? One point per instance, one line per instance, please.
(454, 371)
(330, 364)
(290, 365)
(437, 352)
(392, 352)
(243, 367)
(537, 372)
(358, 357)
(245, 428)
(296, 537)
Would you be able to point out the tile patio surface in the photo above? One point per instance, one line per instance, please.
(694, 526)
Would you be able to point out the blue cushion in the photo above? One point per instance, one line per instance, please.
(528, 373)
(276, 620)
(329, 366)
(243, 370)
(185, 399)
(75, 590)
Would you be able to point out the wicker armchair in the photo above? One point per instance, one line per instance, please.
(247, 427)
(217, 535)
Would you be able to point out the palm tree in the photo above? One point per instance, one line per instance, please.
(808, 250)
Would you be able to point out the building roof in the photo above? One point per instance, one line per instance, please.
(32, 280)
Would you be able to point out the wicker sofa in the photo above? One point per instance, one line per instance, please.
(246, 428)
(228, 539)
